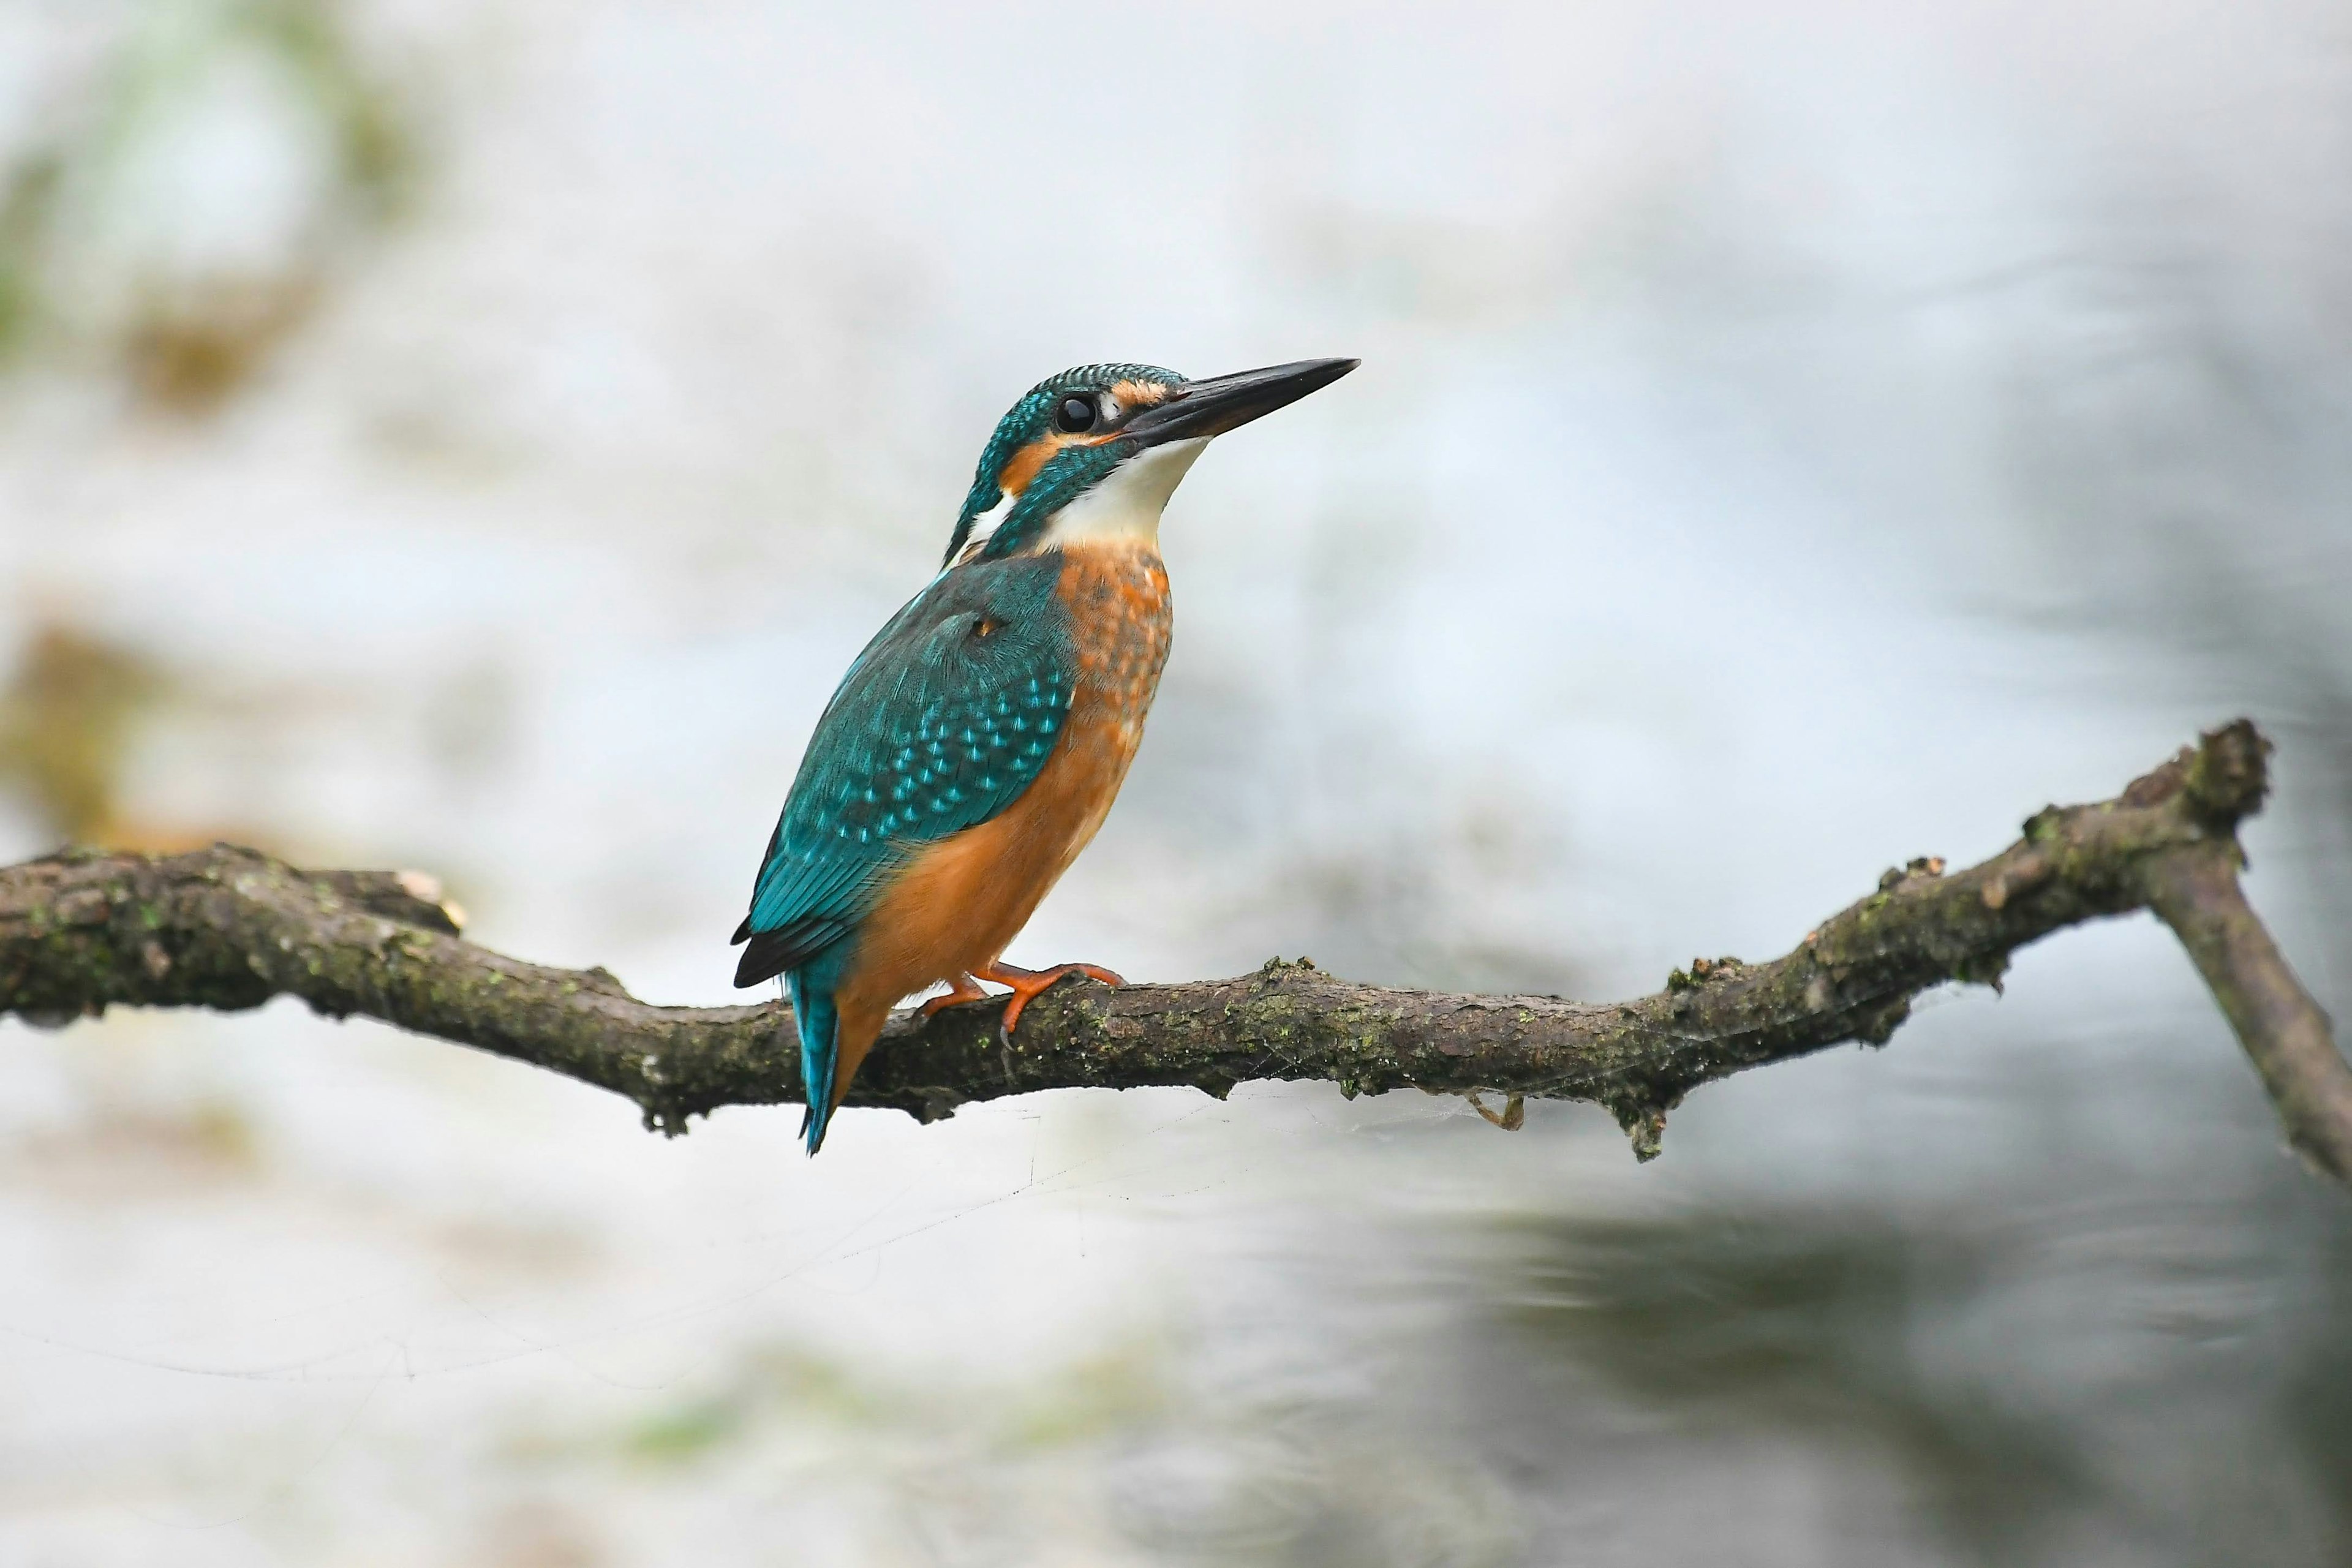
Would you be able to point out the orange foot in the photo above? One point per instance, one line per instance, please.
(963, 988)
(1031, 983)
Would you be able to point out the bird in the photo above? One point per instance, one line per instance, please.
(975, 745)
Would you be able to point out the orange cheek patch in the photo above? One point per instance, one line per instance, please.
(1023, 466)
(1014, 477)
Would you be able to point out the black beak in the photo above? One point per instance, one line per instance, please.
(1199, 409)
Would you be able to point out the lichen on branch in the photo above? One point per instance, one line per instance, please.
(228, 928)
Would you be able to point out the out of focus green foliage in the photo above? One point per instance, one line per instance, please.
(68, 719)
(125, 235)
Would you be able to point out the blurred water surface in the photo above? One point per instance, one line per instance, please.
(476, 435)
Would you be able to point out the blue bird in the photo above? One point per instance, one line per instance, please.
(976, 744)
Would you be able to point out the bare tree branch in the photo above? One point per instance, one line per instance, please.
(2195, 892)
(228, 928)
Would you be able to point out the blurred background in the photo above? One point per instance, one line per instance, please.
(474, 435)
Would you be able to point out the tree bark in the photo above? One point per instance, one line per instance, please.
(228, 928)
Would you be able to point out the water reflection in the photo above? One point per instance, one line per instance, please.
(2103, 1380)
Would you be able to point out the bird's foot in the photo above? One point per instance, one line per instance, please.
(1028, 984)
(963, 988)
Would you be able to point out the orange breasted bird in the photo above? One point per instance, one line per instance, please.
(976, 745)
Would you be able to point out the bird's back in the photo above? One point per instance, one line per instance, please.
(945, 718)
(954, 904)
(999, 675)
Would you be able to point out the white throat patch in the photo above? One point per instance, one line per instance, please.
(1126, 504)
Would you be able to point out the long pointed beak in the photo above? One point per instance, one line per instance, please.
(1199, 409)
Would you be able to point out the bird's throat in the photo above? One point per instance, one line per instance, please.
(1125, 507)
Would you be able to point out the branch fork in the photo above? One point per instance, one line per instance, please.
(228, 928)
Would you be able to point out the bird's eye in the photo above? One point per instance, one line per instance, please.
(1073, 414)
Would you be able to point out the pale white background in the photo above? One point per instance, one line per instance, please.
(1790, 439)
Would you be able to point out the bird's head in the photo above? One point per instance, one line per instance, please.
(1097, 451)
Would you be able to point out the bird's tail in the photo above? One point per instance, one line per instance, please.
(820, 1027)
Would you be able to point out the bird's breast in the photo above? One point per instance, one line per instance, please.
(1119, 619)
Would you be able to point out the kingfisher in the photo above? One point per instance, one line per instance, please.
(976, 744)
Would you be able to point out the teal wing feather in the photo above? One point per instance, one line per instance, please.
(942, 722)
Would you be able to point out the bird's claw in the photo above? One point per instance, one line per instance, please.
(1028, 984)
(963, 989)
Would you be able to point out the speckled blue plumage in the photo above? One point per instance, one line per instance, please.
(938, 726)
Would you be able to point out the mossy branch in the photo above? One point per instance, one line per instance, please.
(228, 928)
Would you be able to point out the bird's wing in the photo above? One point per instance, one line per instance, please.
(942, 722)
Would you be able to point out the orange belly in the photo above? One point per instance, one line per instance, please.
(961, 901)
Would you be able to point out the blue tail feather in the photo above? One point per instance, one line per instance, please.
(820, 1028)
